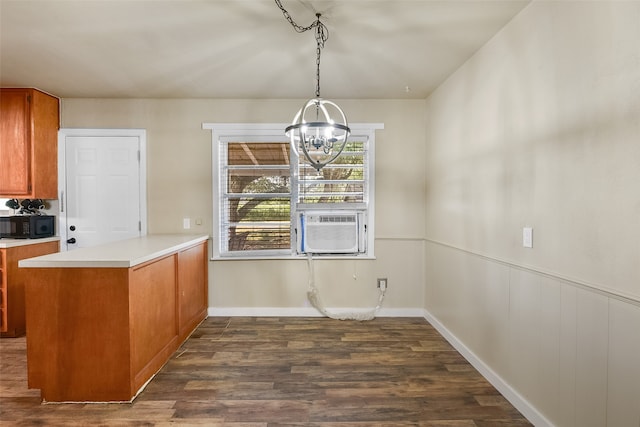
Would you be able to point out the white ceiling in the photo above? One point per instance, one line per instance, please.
(241, 48)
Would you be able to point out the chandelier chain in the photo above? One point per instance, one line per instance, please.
(322, 35)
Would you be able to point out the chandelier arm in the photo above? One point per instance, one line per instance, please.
(312, 125)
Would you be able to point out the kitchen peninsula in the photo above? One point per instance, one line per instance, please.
(101, 321)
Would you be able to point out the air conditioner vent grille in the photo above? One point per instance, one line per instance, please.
(337, 218)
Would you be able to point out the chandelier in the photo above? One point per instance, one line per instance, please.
(319, 129)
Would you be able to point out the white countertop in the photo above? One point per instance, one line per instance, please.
(12, 243)
(120, 254)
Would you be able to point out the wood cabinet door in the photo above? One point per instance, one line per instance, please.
(192, 288)
(15, 148)
(45, 116)
(13, 301)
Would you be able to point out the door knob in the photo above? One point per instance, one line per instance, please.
(71, 241)
(72, 228)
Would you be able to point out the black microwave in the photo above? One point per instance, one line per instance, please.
(27, 226)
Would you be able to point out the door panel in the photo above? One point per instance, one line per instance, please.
(103, 198)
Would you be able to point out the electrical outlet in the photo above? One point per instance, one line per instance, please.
(382, 284)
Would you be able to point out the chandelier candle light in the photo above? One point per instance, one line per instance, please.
(313, 131)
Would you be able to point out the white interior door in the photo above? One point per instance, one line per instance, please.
(103, 193)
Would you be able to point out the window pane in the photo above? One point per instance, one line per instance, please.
(247, 238)
(339, 182)
(257, 209)
(258, 181)
(257, 205)
(258, 224)
(258, 153)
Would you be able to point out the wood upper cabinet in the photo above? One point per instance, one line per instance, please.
(29, 122)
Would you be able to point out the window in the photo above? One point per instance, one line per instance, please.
(260, 188)
(255, 196)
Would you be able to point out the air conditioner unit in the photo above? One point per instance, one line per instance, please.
(331, 232)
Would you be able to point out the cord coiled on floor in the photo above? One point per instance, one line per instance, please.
(313, 295)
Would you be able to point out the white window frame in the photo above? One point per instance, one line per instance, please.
(275, 132)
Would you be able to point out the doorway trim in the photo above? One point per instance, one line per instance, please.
(141, 134)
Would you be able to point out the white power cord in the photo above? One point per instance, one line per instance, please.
(314, 298)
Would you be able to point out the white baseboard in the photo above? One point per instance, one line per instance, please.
(305, 312)
(519, 402)
(263, 312)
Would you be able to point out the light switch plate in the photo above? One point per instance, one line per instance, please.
(527, 237)
(186, 223)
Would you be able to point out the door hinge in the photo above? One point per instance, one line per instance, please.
(138, 156)
(139, 225)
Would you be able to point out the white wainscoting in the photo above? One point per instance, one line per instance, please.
(564, 354)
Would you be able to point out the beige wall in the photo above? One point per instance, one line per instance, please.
(179, 185)
(541, 128)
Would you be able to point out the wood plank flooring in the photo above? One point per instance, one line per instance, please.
(268, 372)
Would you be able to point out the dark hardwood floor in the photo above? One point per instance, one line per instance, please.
(242, 371)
